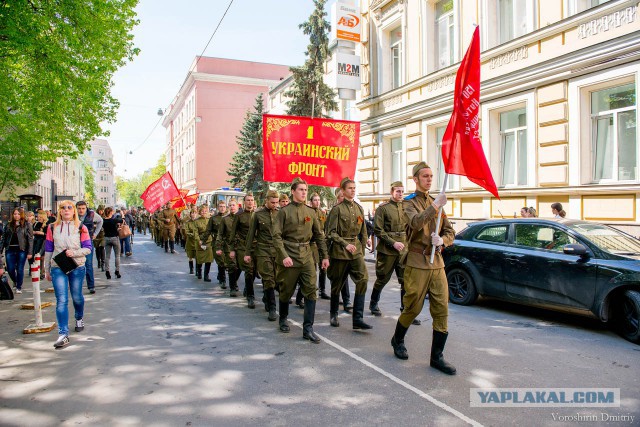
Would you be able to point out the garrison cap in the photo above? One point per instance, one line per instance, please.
(337, 190)
(298, 180)
(284, 196)
(396, 184)
(345, 181)
(418, 167)
(271, 194)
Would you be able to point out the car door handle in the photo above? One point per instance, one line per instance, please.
(513, 258)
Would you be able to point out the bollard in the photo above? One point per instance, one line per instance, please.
(39, 326)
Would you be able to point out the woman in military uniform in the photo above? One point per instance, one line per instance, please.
(192, 241)
(204, 248)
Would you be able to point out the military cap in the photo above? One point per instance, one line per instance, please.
(346, 180)
(337, 191)
(271, 194)
(284, 197)
(298, 180)
(314, 195)
(396, 184)
(418, 167)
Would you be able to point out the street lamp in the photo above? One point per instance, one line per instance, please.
(160, 112)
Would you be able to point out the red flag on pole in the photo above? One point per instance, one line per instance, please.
(159, 192)
(462, 152)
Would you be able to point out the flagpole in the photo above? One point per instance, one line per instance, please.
(439, 219)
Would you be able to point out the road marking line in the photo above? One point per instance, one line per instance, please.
(395, 379)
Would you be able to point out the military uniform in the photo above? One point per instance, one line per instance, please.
(421, 276)
(259, 246)
(204, 255)
(169, 223)
(223, 244)
(238, 239)
(213, 226)
(144, 221)
(345, 226)
(322, 277)
(389, 228)
(295, 227)
(192, 242)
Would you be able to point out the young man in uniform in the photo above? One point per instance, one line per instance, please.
(238, 239)
(284, 200)
(213, 227)
(295, 226)
(169, 223)
(389, 228)
(259, 246)
(348, 235)
(322, 217)
(346, 295)
(421, 277)
(223, 247)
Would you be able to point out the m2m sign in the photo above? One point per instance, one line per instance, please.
(347, 71)
(347, 22)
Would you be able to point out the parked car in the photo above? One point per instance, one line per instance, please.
(568, 265)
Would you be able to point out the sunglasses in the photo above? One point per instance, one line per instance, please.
(67, 207)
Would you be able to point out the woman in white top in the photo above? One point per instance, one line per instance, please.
(557, 211)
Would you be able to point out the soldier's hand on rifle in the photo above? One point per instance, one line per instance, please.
(325, 264)
(247, 259)
(436, 240)
(351, 248)
(398, 246)
(287, 262)
(440, 201)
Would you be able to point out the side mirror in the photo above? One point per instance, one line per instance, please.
(575, 249)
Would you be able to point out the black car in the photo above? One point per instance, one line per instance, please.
(567, 265)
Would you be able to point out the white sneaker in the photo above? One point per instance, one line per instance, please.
(79, 325)
(18, 291)
(61, 342)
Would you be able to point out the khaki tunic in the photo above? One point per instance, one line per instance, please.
(345, 225)
(238, 238)
(322, 217)
(213, 226)
(223, 243)
(421, 277)
(192, 242)
(168, 220)
(259, 245)
(199, 227)
(389, 227)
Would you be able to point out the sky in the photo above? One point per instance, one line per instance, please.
(170, 34)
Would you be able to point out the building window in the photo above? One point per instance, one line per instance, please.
(452, 181)
(577, 6)
(614, 144)
(515, 19)
(395, 45)
(513, 133)
(396, 159)
(444, 34)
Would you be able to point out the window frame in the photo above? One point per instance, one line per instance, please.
(491, 27)
(385, 164)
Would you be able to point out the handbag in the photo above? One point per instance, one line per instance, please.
(65, 263)
(124, 231)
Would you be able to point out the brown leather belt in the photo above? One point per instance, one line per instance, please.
(418, 251)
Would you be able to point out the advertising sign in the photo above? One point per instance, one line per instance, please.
(347, 71)
(347, 23)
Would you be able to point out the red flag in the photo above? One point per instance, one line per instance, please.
(159, 192)
(462, 152)
(180, 202)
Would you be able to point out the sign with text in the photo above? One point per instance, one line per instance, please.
(347, 71)
(347, 21)
(320, 151)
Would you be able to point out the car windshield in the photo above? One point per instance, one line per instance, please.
(609, 239)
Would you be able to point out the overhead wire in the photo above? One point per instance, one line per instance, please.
(188, 75)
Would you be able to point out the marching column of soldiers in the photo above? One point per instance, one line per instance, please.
(289, 243)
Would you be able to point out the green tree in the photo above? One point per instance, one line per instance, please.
(57, 61)
(129, 190)
(247, 165)
(309, 93)
(89, 183)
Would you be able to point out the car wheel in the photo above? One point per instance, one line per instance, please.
(462, 290)
(629, 316)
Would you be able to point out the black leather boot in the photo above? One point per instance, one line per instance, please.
(333, 313)
(307, 323)
(166, 246)
(271, 304)
(322, 284)
(248, 285)
(437, 347)
(190, 266)
(284, 313)
(346, 296)
(198, 271)
(171, 245)
(373, 304)
(233, 283)
(207, 269)
(358, 313)
(397, 342)
(222, 276)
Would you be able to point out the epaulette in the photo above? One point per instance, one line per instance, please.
(410, 196)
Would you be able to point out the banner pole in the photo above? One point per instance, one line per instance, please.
(444, 186)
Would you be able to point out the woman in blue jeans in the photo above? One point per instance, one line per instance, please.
(67, 235)
(17, 241)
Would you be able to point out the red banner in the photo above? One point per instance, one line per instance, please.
(159, 193)
(462, 152)
(320, 151)
(179, 204)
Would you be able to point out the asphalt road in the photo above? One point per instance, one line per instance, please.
(161, 348)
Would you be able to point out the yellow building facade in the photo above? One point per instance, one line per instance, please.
(558, 103)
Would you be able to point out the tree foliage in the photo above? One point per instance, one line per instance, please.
(57, 61)
(247, 165)
(129, 190)
(309, 93)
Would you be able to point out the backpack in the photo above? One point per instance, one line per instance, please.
(5, 289)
